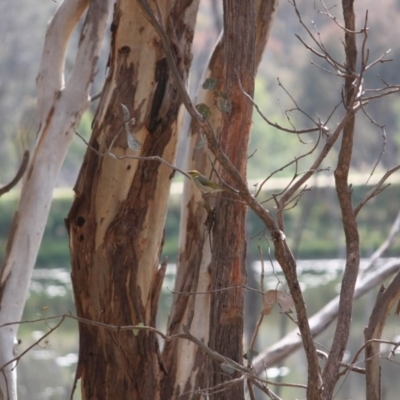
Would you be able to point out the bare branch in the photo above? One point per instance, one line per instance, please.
(375, 190)
(34, 344)
(18, 176)
(50, 79)
(277, 126)
(394, 230)
(320, 321)
(348, 367)
(295, 175)
(351, 89)
(246, 372)
(323, 53)
(150, 158)
(324, 152)
(379, 60)
(351, 366)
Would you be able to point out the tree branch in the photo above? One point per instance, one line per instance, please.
(136, 329)
(330, 373)
(321, 321)
(18, 176)
(384, 303)
(375, 190)
(394, 230)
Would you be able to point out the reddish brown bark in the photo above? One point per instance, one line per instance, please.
(117, 219)
(330, 374)
(387, 298)
(184, 361)
(229, 242)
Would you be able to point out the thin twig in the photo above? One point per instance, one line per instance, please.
(375, 190)
(350, 366)
(394, 230)
(149, 158)
(276, 125)
(246, 372)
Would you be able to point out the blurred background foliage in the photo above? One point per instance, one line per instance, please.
(313, 227)
(22, 29)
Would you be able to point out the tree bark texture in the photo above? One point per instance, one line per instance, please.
(116, 222)
(60, 107)
(385, 301)
(228, 232)
(330, 374)
(184, 361)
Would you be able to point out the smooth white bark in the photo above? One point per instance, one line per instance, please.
(60, 109)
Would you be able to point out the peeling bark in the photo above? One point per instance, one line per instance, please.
(116, 222)
(229, 241)
(60, 108)
(185, 362)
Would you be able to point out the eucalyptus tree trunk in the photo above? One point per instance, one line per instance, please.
(116, 223)
(60, 106)
(229, 226)
(185, 362)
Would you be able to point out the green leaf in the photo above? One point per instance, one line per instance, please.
(250, 355)
(203, 110)
(227, 368)
(210, 83)
(136, 331)
(202, 142)
(223, 103)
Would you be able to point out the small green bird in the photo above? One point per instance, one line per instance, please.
(203, 183)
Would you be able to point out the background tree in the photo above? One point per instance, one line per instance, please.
(60, 106)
